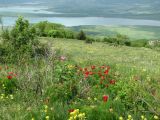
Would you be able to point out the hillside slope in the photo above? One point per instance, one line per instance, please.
(122, 56)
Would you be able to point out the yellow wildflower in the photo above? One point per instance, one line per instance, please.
(89, 98)
(46, 111)
(11, 96)
(120, 118)
(45, 106)
(74, 113)
(95, 99)
(142, 117)
(129, 117)
(70, 66)
(47, 117)
(156, 117)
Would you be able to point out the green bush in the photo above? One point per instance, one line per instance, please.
(69, 34)
(127, 43)
(8, 84)
(44, 27)
(56, 34)
(89, 40)
(81, 35)
(139, 43)
(108, 40)
(47, 29)
(118, 40)
(20, 42)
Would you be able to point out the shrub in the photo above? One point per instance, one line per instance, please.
(139, 43)
(127, 43)
(5, 34)
(81, 35)
(56, 34)
(20, 42)
(89, 40)
(118, 40)
(69, 34)
(108, 40)
(8, 84)
(44, 27)
(47, 29)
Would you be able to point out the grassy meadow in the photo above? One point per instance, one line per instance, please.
(136, 71)
(47, 78)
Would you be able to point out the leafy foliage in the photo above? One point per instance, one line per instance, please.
(44, 29)
(20, 42)
(81, 35)
(118, 40)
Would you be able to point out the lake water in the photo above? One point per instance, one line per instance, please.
(76, 21)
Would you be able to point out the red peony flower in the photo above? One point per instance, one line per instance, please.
(91, 73)
(105, 98)
(71, 110)
(102, 67)
(80, 69)
(102, 77)
(93, 67)
(86, 74)
(12, 73)
(106, 72)
(112, 81)
(9, 77)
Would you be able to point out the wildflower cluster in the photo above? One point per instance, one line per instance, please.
(46, 111)
(129, 117)
(3, 97)
(8, 83)
(100, 73)
(76, 115)
(156, 117)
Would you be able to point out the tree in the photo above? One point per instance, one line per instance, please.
(22, 34)
(81, 35)
(43, 28)
(20, 42)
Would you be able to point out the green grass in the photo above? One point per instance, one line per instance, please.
(140, 58)
(131, 62)
(136, 71)
(133, 32)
